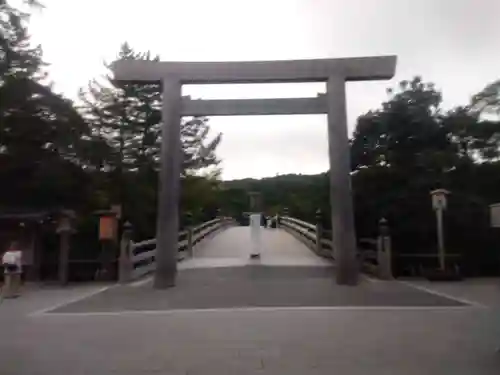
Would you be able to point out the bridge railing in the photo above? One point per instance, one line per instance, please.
(312, 235)
(374, 254)
(138, 258)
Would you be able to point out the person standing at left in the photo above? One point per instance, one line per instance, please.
(12, 266)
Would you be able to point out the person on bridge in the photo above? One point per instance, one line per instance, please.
(263, 220)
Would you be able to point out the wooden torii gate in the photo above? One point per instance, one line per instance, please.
(335, 72)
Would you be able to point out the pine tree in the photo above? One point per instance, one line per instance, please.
(126, 124)
(127, 116)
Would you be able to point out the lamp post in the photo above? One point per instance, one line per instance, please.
(439, 202)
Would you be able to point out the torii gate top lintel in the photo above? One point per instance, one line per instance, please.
(351, 69)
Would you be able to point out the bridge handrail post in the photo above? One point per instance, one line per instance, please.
(125, 262)
(384, 251)
(319, 231)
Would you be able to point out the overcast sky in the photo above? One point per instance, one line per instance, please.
(453, 43)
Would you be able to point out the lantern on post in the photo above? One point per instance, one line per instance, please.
(439, 204)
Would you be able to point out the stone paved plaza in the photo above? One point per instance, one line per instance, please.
(257, 286)
(249, 318)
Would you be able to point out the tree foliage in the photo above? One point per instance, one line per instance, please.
(409, 147)
(104, 151)
(125, 119)
(126, 116)
(487, 102)
(40, 131)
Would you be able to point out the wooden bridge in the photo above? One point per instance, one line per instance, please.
(221, 242)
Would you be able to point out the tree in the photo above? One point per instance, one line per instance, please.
(405, 133)
(487, 102)
(40, 132)
(399, 153)
(127, 116)
(475, 139)
(409, 147)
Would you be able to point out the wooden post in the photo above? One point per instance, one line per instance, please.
(440, 237)
(439, 205)
(319, 232)
(65, 231)
(384, 251)
(65, 238)
(126, 267)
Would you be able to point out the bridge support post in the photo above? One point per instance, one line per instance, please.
(343, 232)
(167, 231)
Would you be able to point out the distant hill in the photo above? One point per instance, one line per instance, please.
(301, 194)
(253, 183)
